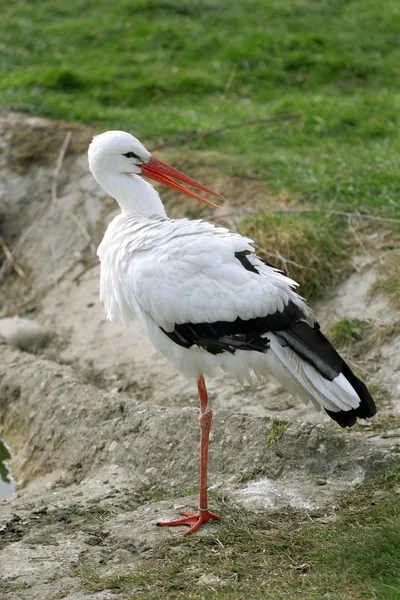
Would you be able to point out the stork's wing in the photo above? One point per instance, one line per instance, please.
(204, 274)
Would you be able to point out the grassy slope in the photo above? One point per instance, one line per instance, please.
(169, 67)
(160, 68)
(350, 553)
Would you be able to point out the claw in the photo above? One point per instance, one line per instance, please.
(192, 520)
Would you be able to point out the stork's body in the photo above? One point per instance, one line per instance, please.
(206, 300)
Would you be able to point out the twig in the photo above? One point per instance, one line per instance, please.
(57, 170)
(8, 262)
(85, 269)
(218, 105)
(276, 254)
(234, 213)
(51, 216)
(327, 211)
(216, 130)
(10, 258)
(54, 200)
(284, 260)
(340, 213)
(84, 232)
(360, 170)
(355, 235)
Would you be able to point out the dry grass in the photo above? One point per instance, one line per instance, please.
(388, 281)
(314, 249)
(38, 144)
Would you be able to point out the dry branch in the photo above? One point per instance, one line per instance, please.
(216, 130)
(54, 198)
(340, 213)
(58, 168)
(283, 260)
(10, 258)
(8, 262)
(328, 211)
(85, 269)
(84, 232)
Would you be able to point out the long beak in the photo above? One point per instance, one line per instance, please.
(163, 173)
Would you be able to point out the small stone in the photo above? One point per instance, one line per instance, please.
(67, 357)
(321, 449)
(321, 481)
(24, 334)
(391, 433)
(93, 540)
(122, 556)
(211, 581)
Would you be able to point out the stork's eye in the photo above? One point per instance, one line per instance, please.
(132, 155)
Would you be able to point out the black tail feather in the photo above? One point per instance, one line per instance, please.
(344, 418)
(366, 409)
(313, 347)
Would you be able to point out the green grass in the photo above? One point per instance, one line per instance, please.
(4, 456)
(160, 68)
(346, 332)
(353, 553)
(276, 432)
(166, 68)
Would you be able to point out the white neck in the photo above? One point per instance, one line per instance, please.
(134, 195)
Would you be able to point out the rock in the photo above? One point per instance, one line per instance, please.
(210, 581)
(24, 334)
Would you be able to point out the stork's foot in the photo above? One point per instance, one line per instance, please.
(192, 520)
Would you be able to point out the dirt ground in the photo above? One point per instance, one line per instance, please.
(104, 431)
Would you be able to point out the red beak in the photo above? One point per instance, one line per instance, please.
(163, 173)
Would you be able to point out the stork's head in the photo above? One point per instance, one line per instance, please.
(119, 153)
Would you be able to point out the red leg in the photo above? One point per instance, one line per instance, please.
(195, 520)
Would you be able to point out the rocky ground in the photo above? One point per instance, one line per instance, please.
(104, 433)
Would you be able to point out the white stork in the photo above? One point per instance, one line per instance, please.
(206, 300)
